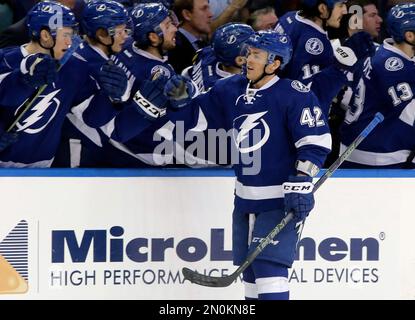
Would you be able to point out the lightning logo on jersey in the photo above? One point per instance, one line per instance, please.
(39, 114)
(248, 123)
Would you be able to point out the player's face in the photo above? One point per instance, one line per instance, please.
(256, 60)
(410, 38)
(371, 20)
(339, 10)
(169, 33)
(63, 41)
(121, 34)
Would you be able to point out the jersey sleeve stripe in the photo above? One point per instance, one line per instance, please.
(321, 140)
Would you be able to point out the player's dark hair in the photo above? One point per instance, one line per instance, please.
(311, 12)
(361, 3)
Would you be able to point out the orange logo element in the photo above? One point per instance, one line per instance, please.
(14, 261)
(10, 279)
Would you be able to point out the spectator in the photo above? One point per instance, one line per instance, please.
(195, 20)
(263, 19)
(371, 22)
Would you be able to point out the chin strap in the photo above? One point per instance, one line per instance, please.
(263, 75)
(51, 50)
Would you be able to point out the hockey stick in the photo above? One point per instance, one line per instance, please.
(75, 44)
(410, 159)
(209, 281)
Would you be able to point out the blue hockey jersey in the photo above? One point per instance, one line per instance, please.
(130, 135)
(40, 127)
(387, 86)
(205, 70)
(312, 48)
(312, 59)
(269, 134)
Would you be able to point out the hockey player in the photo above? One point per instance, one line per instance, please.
(306, 28)
(387, 86)
(313, 51)
(279, 122)
(370, 22)
(105, 26)
(222, 59)
(26, 69)
(132, 144)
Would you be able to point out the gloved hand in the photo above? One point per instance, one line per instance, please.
(113, 80)
(362, 45)
(7, 139)
(298, 196)
(179, 90)
(39, 69)
(352, 54)
(150, 99)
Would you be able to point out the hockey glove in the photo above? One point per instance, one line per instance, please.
(298, 196)
(355, 50)
(362, 45)
(39, 69)
(179, 90)
(113, 80)
(7, 139)
(150, 99)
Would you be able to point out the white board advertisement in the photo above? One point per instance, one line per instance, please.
(129, 237)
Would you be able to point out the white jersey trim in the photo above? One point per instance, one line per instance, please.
(272, 285)
(99, 51)
(377, 158)
(38, 164)
(322, 141)
(258, 193)
(309, 23)
(3, 76)
(251, 290)
(148, 55)
(222, 73)
(388, 45)
(76, 119)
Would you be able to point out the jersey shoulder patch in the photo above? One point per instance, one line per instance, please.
(394, 64)
(299, 86)
(162, 70)
(314, 46)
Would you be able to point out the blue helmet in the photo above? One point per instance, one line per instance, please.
(102, 14)
(401, 18)
(277, 45)
(49, 15)
(146, 18)
(126, 3)
(167, 3)
(228, 40)
(313, 3)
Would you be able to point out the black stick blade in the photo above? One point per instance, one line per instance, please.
(207, 281)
